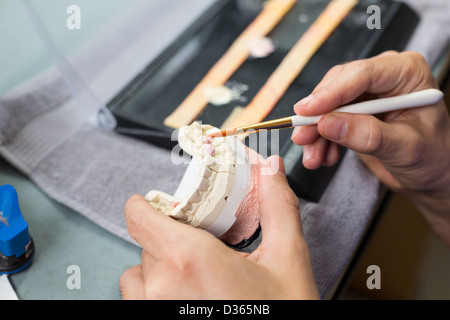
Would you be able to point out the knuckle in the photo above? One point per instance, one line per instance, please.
(375, 139)
(331, 75)
(183, 262)
(417, 68)
(363, 70)
(389, 53)
(414, 56)
(415, 146)
(414, 60)
(363, 66)
(336, 69)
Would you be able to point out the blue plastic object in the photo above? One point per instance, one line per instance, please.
(16, 245)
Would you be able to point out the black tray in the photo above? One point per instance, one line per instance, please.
(142, 106)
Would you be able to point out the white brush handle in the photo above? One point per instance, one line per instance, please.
(410, 100)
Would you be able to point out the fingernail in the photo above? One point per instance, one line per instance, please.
(274, 166)
(303, 103)
(271, 166)
(308, 153)
(335, 128)
(296, 132)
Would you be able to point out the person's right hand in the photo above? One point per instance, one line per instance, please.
(408, 150)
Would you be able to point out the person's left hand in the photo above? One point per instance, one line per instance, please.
(182, 262)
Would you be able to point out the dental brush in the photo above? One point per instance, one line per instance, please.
(410, 100)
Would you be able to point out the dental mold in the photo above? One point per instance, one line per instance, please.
(216, 190)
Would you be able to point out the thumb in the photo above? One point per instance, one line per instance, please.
(283, 247)
(362, 133)
(279, 213)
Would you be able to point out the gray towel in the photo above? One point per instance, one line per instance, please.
(44, 134)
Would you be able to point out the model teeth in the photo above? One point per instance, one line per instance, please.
(206, 140)
(188, 208)
(213, 184)
(195, 197)
(207, 172)
(208, 161)
(204, 184)
(209, 150)
(179, 215)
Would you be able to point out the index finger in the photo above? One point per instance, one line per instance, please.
(387, 74)
(153, 230)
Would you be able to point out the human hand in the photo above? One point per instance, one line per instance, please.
(408, 150)
(182, 262)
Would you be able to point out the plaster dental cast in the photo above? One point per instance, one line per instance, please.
(218, 190)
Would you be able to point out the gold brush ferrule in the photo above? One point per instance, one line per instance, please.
(267, 125)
